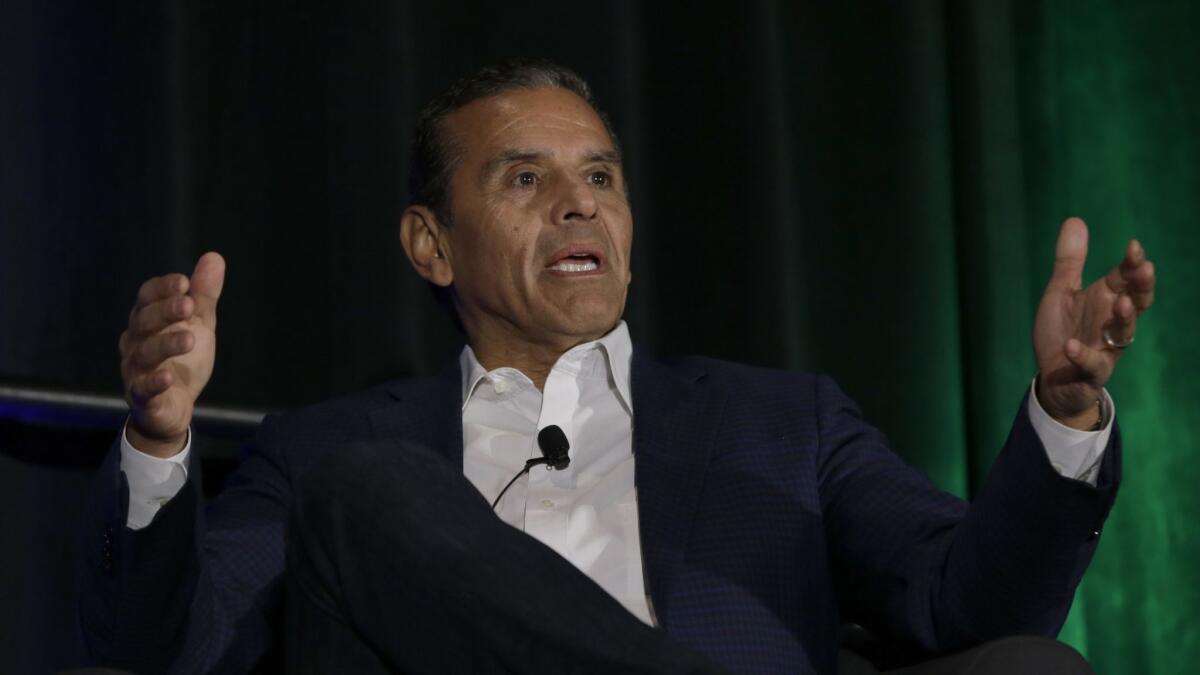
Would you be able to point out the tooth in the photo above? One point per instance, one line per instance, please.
(574, 267)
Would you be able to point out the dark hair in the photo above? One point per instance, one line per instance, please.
(434, 155)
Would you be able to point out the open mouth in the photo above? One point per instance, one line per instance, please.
(576, 261)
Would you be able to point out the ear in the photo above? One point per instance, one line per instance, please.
(421, 234)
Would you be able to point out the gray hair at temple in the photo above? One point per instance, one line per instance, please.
(434, 156)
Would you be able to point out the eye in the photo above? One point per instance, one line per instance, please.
(600, 179)
(525, 179)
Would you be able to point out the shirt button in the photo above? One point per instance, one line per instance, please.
(500, 386)
(547, 504)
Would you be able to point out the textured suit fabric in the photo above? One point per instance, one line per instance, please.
(371, 550)
(769, 512)
(1018, 654)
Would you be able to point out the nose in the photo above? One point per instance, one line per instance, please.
(574, 202)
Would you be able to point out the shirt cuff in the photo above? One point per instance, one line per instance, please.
(153, 481)
(1073, 453)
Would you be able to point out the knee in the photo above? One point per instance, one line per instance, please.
(1027, 654)
(339, 499)
(361, 482)
(368, 470)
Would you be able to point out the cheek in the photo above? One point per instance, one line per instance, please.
(512, 248)
(622, 235)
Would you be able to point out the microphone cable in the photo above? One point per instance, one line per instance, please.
(554, 446)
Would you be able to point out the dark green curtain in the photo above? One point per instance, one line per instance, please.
(871, 190)
(1110, 108)
(1092, 109)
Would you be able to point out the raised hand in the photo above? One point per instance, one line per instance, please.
(1074, 357)
(167, 354)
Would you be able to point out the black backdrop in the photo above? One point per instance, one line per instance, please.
(276, 132)
(867, 189)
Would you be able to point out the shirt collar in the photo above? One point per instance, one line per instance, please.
(615, 345)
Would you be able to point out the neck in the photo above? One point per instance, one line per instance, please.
(534, 363)
(534, 358)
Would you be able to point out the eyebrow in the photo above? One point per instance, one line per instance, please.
(517, 156)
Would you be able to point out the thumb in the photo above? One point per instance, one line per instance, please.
(207, 280)
(1069, 255)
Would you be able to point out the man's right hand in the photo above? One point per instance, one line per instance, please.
(167, 354)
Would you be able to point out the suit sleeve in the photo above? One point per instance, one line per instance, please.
(924, 569)
(197, 589)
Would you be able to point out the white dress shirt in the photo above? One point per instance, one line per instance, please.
(586, 513)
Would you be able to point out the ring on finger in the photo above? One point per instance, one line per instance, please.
(1108, 340)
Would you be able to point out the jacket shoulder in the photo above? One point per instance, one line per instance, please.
(719, 372)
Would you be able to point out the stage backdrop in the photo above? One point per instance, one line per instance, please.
(871, 190)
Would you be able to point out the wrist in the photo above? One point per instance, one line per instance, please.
(1075, 414)
(1090, 420)
(155, 447)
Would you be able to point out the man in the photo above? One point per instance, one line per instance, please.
(744, 512)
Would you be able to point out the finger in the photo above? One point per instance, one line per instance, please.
(1117, 278)
(160, 314)
(1095, 364)
(1141, 286)
(1121, 327)
(1134, 254)
(157, 288)
(150, 385)
(158, 348)
(1069, 255)
(206, 283)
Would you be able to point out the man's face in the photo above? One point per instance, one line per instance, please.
(541, 233)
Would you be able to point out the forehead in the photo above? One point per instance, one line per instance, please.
(552, 120)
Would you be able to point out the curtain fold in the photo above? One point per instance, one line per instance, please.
(1112, 114)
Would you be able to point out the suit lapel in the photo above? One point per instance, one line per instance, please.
(674, 422)
(427, 412)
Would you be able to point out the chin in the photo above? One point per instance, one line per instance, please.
(588, 320)
(584, 312)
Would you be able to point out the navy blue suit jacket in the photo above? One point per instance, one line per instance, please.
(769, 512)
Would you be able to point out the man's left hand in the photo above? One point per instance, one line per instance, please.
(1074, 358)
